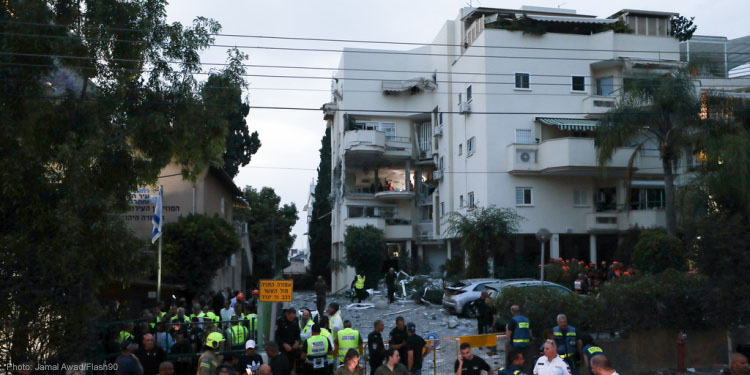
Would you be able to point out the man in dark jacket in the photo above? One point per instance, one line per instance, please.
(375, 346)
(278, 362)
(150, 355)
(287, 335)
(390, 284)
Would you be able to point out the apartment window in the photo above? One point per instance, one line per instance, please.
(468, 93)
(647, 198)
(460, 200)
(523, 136)
(460, 149)
(389, 129)
(471, 199)
(522, 80)
(442, 209)
(523, 196)
(440, 163)
(578, 83)
(470, 146)
(222, 206)
(580, 198)
(605, 86)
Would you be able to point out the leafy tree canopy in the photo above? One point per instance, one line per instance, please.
(483, 232)
(96, 98)
(365, 251)
(682, 27)
(269, 226)
(195, 247)
(657, 251)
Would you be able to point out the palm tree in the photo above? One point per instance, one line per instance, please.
(662, 110)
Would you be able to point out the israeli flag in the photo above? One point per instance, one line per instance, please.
(156, 233)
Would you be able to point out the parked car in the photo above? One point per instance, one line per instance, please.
(494, 289)
(458, 297)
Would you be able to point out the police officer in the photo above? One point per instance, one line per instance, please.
(590, 350)
(346, 339)
(314, 351)
(207, 362)
(519, 333)
(375, 346)
(516, 362)
(568, 344)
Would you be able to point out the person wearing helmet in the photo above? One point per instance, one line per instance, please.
(207, 363)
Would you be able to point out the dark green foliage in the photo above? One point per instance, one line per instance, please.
(320, 224)
(563, 273)
(682, 28)
(541, 306)
(269, 226)
(453, 267)
(195, 247)
(77, 137)
(658, 111)
(657, 251)
(483, 233)
(365, 251)
(720, 246)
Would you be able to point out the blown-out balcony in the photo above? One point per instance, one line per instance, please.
(621, 221)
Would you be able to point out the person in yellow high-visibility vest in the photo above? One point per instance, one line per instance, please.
(346, 339)
(359, 288)
(237, 333)
(314, 351)
(305, 325)
(127, 332)
(325, 332)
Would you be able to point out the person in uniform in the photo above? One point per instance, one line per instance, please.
(287, 335)
(335, 317)
(397, 339)
(516, 362)
(590, 350)
(305, 325)
(568, 344)
(551, 363)
(375, 346)
(207, 363)
(518, 331)
(346, 339)
(314, 352)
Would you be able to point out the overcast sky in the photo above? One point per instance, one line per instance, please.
(291, 139)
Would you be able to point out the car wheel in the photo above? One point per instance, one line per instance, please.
(470, 312)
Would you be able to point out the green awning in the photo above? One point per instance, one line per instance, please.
(573, 124)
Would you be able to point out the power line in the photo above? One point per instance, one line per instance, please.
(337, 40)
(277, 75)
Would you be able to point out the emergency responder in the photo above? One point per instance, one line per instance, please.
(207, 362)
(250, 320)
(346, 339)
(320, 295)
(568, 344)
(335, 318)
(314, 352)
(287, 335)
(237, 333)
(330, 358)
(180, 322)
(518, 331)
(551, 363)
(390, 284)
(358, 284)
(516, 362)
(375, 346)
(305, 325)
(579, 285)
(127, 332)
(590, 350)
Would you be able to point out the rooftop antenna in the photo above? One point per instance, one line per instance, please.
(471, 5)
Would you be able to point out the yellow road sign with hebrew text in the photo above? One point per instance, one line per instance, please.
(276, 290)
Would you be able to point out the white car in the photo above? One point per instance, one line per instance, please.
(458, 297)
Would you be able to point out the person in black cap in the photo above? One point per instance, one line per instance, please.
(414, 346)
(127, 362)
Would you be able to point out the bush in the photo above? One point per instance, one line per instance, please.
(656, 251)
(563, 272)
(541, 306)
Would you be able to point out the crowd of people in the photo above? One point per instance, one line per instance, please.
(592, 276)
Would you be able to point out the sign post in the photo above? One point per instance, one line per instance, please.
(275, 291)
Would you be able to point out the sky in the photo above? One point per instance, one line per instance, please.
(289, 155)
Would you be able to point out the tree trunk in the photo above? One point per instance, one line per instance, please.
(671, 212)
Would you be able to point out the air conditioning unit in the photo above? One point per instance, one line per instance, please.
(526, 156)
(464, 108)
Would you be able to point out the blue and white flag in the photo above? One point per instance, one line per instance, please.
(156, 233)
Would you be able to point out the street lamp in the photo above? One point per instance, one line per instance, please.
(543, 236)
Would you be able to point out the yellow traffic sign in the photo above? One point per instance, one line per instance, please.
(276, 290)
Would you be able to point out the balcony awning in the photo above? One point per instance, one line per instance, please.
(411, 85)
(572, 124)
(571, 19)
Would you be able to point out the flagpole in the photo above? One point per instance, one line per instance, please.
(158, 270)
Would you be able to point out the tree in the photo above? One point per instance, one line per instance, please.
(320, 224)
(195, 247)
(365, 251)
(682, 28)
(660, 110)
(269, 226)
(240, 144)
(483, 232)
(657, 251)
(92, 106)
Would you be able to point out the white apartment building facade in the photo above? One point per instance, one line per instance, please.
(485, 116)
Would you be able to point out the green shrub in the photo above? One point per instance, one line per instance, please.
(656, 251)
(541, 306)
(563, 273)
(453, 267)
